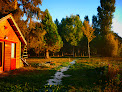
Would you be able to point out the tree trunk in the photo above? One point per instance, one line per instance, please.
(75, 54)
(73, 51)
(62, 54)
(53, 54)
(83, 53)
(39, 50)
(88, 49)
(47, 54)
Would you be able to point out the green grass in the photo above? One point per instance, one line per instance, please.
(29, 79)
(85, 76)
(26, 81)
(92, 75)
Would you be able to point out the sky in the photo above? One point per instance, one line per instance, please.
(61, 8)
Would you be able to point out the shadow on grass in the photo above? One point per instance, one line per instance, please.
(85, 78)
(42, 57)
(25, 80)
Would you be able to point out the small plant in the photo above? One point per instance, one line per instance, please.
(34, 64)
(112, 70)
(53, 88)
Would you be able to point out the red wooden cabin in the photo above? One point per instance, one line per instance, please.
(11, 40)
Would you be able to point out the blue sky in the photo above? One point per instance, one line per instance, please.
(61, 8)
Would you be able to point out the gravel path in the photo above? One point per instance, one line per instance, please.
(57, 78)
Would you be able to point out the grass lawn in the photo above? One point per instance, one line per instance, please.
(95, 74)
(32, 78)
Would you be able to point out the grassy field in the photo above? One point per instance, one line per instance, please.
(32, 78)
(95, 74)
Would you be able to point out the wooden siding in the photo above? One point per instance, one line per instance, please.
(7, 60)
(1, 68)
(9, 32)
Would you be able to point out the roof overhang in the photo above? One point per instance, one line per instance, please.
(15, 27)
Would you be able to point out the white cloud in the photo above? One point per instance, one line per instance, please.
(117, 27)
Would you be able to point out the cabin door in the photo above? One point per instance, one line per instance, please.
(13, 56)
(1, 57)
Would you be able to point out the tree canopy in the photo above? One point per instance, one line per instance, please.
(71, 30)
(19, 8)
(88, 32)
(71, 35)
(105, 15)
(52, 39)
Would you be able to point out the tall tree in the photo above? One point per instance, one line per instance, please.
(95, 24)
(56, 22)
(86, 18)
(35, 37)
(89, 33)
(19, 8)
(52, 39)
(71, 29)
(105, 15)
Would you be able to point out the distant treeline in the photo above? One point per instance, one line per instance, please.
(71, 36)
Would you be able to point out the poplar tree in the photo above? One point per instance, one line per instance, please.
(105, 15)
(109, 44)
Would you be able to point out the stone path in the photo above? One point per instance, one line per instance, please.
(57, 78)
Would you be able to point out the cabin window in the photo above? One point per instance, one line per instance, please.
(13, 50)
(0, 54)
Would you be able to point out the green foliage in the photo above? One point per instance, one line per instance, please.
(71, 33)
(20, 8)
(105, 15)
(86, 18)
(71, 29)
(108, 42)
(25, 81)
(52, 39)
(95, 24)
(35, 36)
